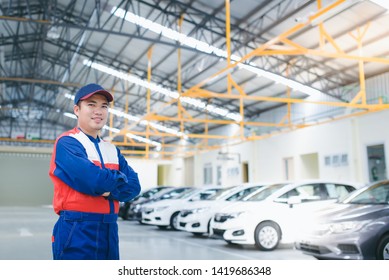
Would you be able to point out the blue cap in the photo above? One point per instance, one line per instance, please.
(88, 90)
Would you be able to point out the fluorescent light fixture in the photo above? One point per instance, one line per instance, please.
(285, 81)
(113, 129)
(383, 3)
(135, 137)
(70, 115)
(206, 48)
(334, 11)
(53, 33)
(145, 140)
(173, 94)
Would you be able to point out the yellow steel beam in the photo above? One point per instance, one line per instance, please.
(300, 50)
(228, 43)
(27, 140)
(210, 94)
(179, 86)
(295, 127)
(149, 54)
(208, 121)
(26, 19)
(289, 108)
(358, 38)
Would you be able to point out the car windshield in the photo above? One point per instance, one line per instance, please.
(243, 193)
(264, 192)
(187, 193)
(175, 193)
(376, 194)
(220, 193)
(204, 194)
(150, 193)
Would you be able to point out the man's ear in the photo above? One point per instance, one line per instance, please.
(76, 108)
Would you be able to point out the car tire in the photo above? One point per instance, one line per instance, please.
(383, 248)
(174, 221)
(267, 235)
(125, 214)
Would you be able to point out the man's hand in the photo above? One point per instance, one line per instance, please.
(106, 194)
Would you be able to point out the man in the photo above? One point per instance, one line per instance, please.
(90, 177)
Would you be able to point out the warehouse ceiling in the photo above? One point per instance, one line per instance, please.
(188, 75)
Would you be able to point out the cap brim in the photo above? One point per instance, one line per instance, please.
(103, 92)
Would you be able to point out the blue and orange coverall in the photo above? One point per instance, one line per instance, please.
(82, 169)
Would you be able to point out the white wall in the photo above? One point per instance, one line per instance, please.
(373, 129)
(147, 171)
(334, 138)
(348, 137)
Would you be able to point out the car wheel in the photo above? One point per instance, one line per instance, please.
(125, 214)
(174, 221)
(383, 248)
(162, 227)
(267, 236)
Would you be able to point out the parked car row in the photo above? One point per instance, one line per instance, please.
(275, 213)
(325, 219)
(196, 217)
(125, 210)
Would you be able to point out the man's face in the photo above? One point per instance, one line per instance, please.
(92, 114)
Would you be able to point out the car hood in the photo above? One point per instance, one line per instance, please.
(168, 202)
(345, 212)
(241, 206)
(165, 202)
(211, 204)
(199, 204)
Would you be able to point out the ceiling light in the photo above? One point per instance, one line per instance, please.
(53, 33)
(334, 11)
(383, 3)
(70, 115)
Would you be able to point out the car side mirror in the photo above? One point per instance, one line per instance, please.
(293, 200)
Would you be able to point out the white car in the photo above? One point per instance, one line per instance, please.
(197, 218)
(276, 213)
(164, 213)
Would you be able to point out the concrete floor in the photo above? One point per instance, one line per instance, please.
(25, 234)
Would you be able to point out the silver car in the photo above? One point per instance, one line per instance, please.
(356, 228)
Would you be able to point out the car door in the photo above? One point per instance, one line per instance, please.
(293, 208)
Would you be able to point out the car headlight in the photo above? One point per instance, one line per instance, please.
(349, 226)
(235, 215)
(199, 210)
